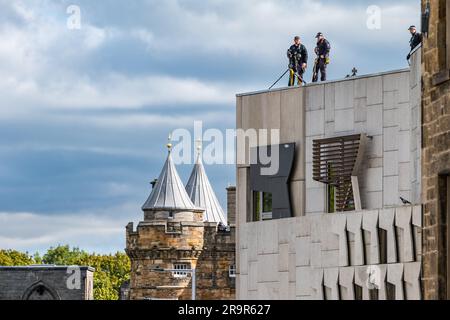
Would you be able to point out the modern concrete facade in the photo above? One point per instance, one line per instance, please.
(46, 283)
(315, 254)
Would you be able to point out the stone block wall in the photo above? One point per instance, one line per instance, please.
(436, 150)
(45, 283)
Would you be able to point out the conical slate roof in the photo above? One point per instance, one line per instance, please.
(169, 192)
(202, 194)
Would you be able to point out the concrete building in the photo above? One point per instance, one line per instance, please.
(331, 223)
(436, 151)
(46, 283)
(182, 242)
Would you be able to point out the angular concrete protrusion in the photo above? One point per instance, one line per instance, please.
(405, 242)
(380, 276)
(395, 277)
(386, 222)
(331, 283)
(338, 227)
(355, 241)
(346, 281)
(370, 227)
(268, 237)
(361, 280)
(417, 230)
(412, 280)
(317, 284)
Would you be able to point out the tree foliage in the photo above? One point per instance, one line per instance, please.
(110, 270)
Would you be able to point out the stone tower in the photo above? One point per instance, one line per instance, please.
(178, 235)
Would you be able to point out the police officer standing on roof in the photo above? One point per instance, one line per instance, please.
(323, 58)
(298, 61)
(416, 39)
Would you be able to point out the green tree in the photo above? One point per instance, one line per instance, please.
(14, 258)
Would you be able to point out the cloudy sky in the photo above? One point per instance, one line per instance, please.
(85, 113)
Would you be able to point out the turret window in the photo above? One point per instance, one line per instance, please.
(232, 271)
(179, 267)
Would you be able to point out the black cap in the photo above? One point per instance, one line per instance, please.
(412, 27)
(320, 34)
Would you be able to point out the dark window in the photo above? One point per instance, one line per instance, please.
(262, 206)
(374, 294)
(331, 190)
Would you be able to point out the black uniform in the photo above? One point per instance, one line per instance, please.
(323, 49)
(416, 39)
(297, 55)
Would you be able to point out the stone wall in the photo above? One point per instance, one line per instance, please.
(436, 151)
(161, 244)
(45, 283)
(333, 257)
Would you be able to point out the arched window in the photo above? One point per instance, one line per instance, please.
(40, 291)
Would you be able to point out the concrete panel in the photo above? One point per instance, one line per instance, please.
(304, 281)
(285, 230)
(404, 146)
(412, 280)
(268, 237)
(316, 255)
(373, 200)
(389, 100)
(252, 238)
(315, 200)
(331, 284)
(345, 120)
(267, 268)
(283, 258)
(239, 112)
(390, 163)
(242, 287)
(375, 120)
(344, 94)
(391, 196)
(298, 198)
(404, 116)
(315, 123)
(395, 277)
(315, 97)
(269, 291)
(253, 276)
(370, 227)
(293, 128)
(373, 179)
(271, 111)
(374, 90)
(405, 242)
(386, 222)
(330, 259)
(284, 293)
(390, 118)
(404, 177)
(360, 88)
(329, 102)
(346, 280)
(360, 109)
(292, 267)
(243, 262)
(303, 252)
(375, 147)
(391, 139)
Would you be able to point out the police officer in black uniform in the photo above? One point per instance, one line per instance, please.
(323, 58)
(298, 61)
(416, 39)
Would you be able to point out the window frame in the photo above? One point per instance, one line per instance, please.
(232, 271)
(258, 200)
(181, 274)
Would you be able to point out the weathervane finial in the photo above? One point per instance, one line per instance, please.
(169, 143)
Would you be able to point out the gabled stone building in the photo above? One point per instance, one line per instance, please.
(183, 232)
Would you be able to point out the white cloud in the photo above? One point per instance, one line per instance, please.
(96, 232)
